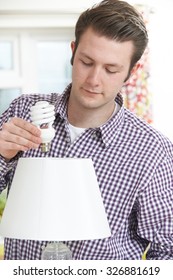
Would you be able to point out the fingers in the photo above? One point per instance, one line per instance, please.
(18, 135)
(20, 125)
(19, 141)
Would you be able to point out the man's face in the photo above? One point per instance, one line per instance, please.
(100, 68)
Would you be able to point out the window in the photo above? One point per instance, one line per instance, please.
(6, 97)
(33, 61)
(6, 55)
(54, 70)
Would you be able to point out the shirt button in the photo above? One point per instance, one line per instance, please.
(94, 134)
(68, 140)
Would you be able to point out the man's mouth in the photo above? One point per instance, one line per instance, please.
(90, 91)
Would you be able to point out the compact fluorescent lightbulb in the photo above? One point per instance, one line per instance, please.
(43, 115)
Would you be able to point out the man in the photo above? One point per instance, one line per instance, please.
(133, 162)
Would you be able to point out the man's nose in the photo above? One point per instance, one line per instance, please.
(94, 76)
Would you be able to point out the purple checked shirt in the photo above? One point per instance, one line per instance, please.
(134, 166)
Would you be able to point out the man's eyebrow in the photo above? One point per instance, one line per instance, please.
(119, 66)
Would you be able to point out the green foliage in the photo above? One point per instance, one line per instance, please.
(2, 202)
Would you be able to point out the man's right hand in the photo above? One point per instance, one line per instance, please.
(18, 135)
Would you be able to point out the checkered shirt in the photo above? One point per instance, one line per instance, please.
(134, 167)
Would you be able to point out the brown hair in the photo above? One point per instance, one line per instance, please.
(115, 20)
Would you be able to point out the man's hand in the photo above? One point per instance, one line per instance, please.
(18, 135)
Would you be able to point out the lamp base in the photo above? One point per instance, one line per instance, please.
(56, 251)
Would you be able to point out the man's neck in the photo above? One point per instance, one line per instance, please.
(88, 118)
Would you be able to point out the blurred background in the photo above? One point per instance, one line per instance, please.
(35, 54)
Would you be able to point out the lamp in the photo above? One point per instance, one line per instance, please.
(54, 199)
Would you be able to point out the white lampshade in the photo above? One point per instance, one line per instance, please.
(54, 199)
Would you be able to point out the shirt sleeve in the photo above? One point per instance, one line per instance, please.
(155, 217)
(7, 168)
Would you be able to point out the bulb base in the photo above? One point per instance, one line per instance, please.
(45, 147)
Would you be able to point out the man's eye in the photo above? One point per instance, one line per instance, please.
(86, 63)
(111, 71)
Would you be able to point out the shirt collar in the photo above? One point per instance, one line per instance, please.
(111, 127)
(61, 104)
(108, 129)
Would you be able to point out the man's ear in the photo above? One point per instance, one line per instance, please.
(73, 51)
(132, 72)
(135, 68)
(72, 46)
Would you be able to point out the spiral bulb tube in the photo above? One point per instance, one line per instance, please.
(43, 115)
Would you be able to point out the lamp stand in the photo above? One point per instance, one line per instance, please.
(56, 251)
